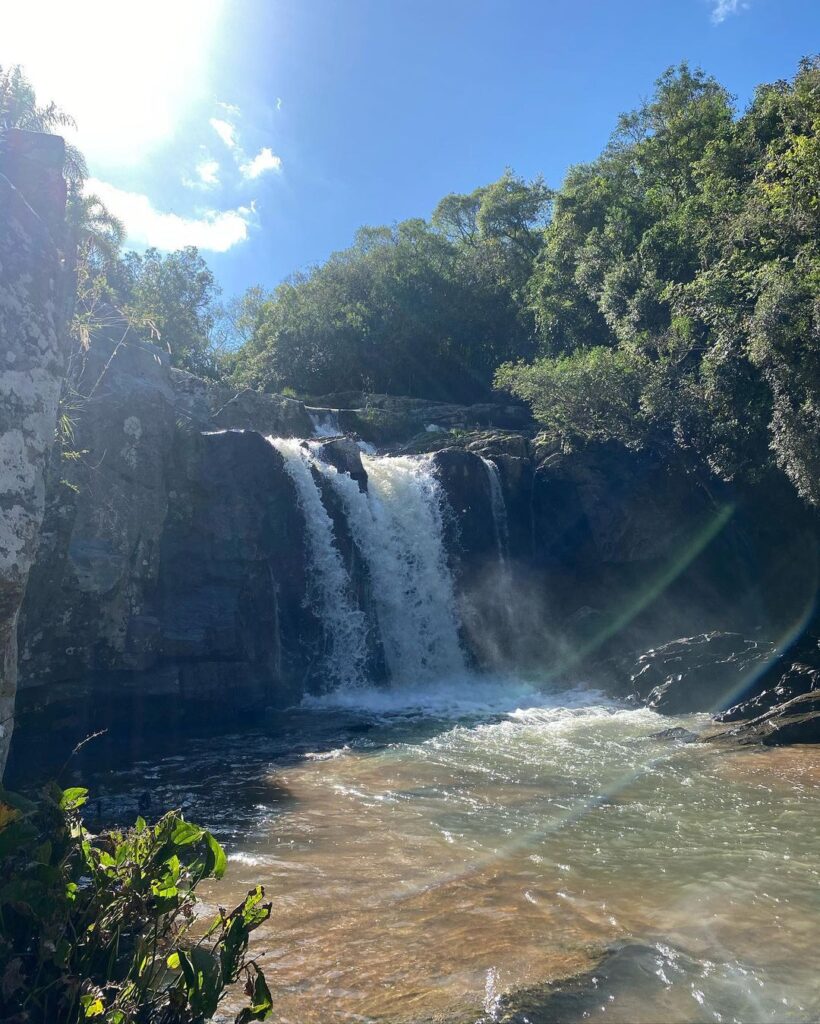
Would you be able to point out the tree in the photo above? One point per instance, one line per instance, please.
(19, 109)
(98, 233)
(427, 309)
(174, 299)
(690, 249)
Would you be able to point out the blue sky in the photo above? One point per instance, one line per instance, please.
(267, 131)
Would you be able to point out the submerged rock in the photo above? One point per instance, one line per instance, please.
(633, 981)
(677, 733)
(795, 721)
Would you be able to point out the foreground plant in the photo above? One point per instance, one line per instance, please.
(100, 927)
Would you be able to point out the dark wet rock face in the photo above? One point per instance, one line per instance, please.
(171, 577)
(463, 478)
(779, 690)
(206, 405)
(791, 674)
(698, 673)
(738, 679)
(345, 455)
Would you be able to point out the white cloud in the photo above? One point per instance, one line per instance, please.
(278, 102)
(212, 230)
(225, 130)
(132, 84)
(265, 160)
(207, 174)
(723, 8)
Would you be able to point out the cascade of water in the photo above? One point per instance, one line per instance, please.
(398, 527)
(344, 622)
(325, 422)
(499, 510)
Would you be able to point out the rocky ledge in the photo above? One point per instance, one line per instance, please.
(769, 694)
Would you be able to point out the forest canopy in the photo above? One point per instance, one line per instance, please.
(667, 295)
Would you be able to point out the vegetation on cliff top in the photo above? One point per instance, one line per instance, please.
(667, 295)
(677, 294)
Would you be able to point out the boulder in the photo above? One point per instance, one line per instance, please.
(697, 673)
(794, 672)
(345, 455)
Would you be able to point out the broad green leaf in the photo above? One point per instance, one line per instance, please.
(261, 1004)
(92, 1006)
(73, 798)
(219, 860)
(184, 833)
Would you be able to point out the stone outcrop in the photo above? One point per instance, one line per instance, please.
(171, 574)
(787, 674)
(207, 405)
(795, 721)
(707, 672)
(395, 421)
(33, 313)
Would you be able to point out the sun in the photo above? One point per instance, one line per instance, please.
(127, 72)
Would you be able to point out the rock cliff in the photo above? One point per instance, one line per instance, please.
(33, 311)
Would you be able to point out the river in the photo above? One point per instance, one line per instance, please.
(428, 850)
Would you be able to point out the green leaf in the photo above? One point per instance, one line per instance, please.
(92, 1006)
(173, 961)
(139, 824)
(73, 798)
(261, 1001)
(184, 833)
(219, 862)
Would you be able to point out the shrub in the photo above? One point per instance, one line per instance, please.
(100, 927)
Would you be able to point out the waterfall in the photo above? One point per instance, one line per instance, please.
(325, 422)
(344, 623)
(398, 527)
(499, 510)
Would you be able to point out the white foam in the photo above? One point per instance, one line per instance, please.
(344, 622)
(460, 696)
(325, 422)
(398, 527)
